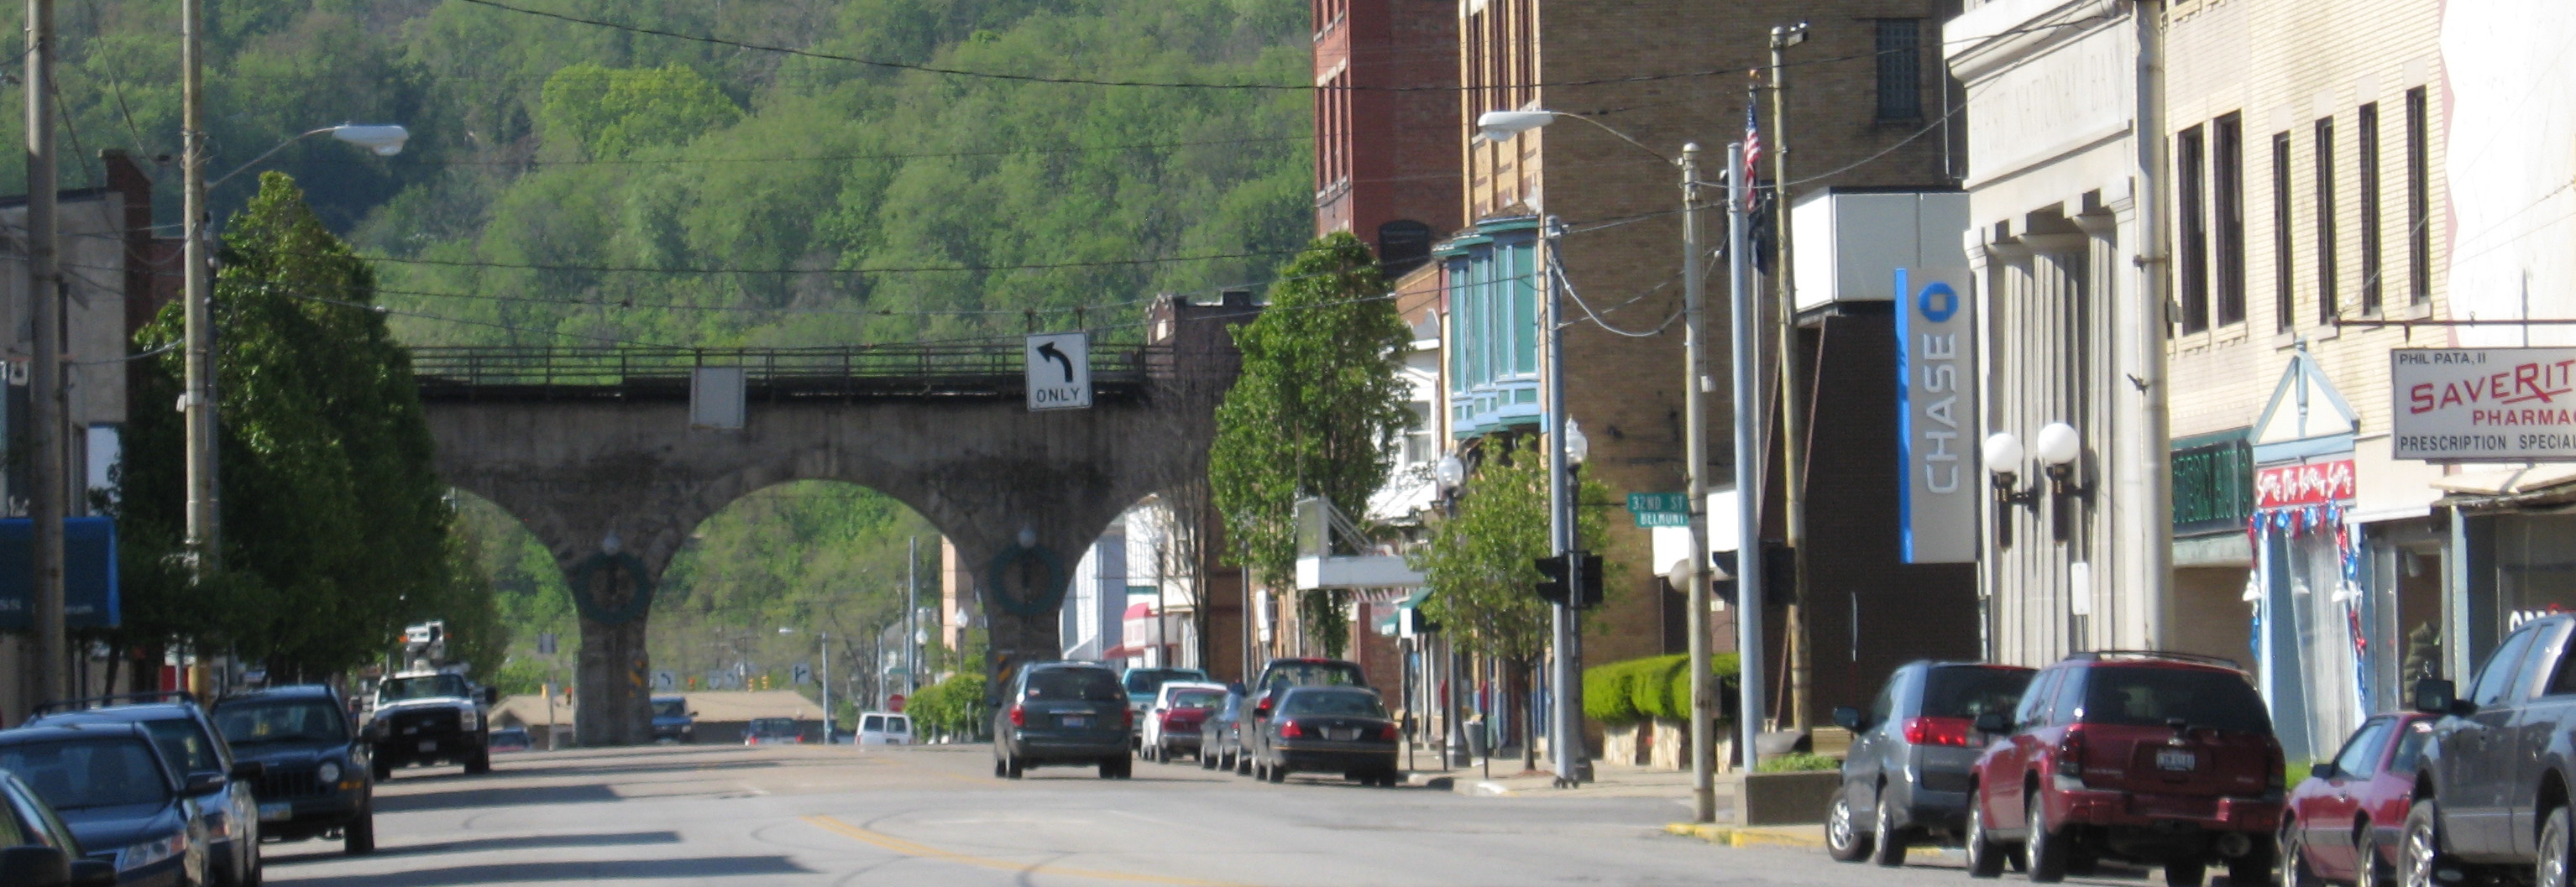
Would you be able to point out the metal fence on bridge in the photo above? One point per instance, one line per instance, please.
(904, 370)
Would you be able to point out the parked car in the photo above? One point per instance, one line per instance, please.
(33, 838)
(773, 731)
(1905, 779)
(1342, 730)
(509, 739)
(123, 801)
(315, 779)
(2491, 796)
(673, 721)
(1142, 683)
(1172, 721)
(2343, 820)
(1063, 714)
(1280, 674)
(1219, 733)
(884, 728)
(2151, 758)
(189, 740)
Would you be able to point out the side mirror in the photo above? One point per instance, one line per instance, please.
(2437, 697)
(248, 770)
(205, 783)
(93, 873)
(2323, 770)
(1993, 722)
(1848, 717)
(37, 865)
(693, 714)
(489, 695)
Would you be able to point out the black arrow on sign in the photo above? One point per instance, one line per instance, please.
(1049, 352)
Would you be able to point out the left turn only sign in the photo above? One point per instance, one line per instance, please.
(1059, 371)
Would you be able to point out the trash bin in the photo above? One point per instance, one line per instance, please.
(1478, 744)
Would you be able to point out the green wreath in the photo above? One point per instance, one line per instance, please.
(636, 604)
(1034, 602)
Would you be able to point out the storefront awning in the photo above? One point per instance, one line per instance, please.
(2542, 484)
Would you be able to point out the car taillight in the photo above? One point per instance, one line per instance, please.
(1390, 732)
(1938, 731)
(2272, 760)
(2070, 753)
(1290, 730)
(1127, 720)
(1019, 716)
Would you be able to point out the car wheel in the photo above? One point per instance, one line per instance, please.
(2370, 864)
(1109, 768)
(1013, 767)
(358, 838)
(1887, 842)
(1206, 762)
(480, 763)
(2047, 851)
(1278, 774)
(2295, 870)
(2419, 852)
(1985, 856)
(1843, 840)
(384, 769)
(2254, 869)
(2181, 873)
(2550, 869)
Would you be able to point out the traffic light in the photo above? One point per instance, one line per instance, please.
(1591, 584)
(1551, 583)
(1779, 574)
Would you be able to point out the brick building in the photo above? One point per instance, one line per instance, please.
(1385, 149)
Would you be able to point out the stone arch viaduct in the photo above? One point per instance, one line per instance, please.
(594, 451)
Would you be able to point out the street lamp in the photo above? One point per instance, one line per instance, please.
(2058, 446)
(824, 641)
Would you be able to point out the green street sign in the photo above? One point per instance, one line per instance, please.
(1645, 502)
(1662, 519)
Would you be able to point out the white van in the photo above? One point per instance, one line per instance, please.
(884, 728)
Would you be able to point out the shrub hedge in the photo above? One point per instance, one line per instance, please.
(1651, 687)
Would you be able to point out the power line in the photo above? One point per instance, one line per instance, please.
(924, 155)
(615, 269)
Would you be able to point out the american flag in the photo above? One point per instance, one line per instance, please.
(1752, 152)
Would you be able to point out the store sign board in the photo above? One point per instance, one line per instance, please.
(2314, 483)
(1936, 398)
(2483, 404)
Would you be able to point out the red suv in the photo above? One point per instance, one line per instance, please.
(2150, 758)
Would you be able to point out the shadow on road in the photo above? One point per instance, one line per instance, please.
(480, 795)
(605, 870)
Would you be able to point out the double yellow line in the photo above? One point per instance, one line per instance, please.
(925, 851)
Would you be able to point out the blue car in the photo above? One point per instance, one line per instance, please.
(673, 721)
(187, 737)
(121, 799)
(30, 828)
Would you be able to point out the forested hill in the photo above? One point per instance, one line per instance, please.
(573, 183)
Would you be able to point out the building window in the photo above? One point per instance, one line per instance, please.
(2188, 162)
(2366, 145)
(2329, 305)
(2419, 200)
(1900, 69)
(2285, 304)
(1493, 341)
(2227, 198)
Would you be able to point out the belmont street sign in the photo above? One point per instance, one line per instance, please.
(2483, 404)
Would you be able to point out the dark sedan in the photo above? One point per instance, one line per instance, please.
(1342, 730)
(29, 827)
(2344, 819)
(315, 780)
(1906, 778)
(119, 797)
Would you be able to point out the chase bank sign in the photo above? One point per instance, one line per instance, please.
(1936, 398)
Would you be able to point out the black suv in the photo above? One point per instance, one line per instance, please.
(1906, 778)
(315, 778)
(1063, 714)
(2492, 793)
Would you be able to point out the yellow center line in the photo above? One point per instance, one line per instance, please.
(925, 851)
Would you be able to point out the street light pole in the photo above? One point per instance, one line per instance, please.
(45, 495)
(911, 616)
(1695, 384)
(1748, 462)
(197, 401)
(1562, 742)
(1793, 419)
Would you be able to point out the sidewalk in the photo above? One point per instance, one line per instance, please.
(1608, 781)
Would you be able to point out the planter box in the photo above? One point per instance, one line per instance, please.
(1627, 744)
(1784, 798)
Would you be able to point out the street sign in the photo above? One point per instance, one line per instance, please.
(1646, 519)
(665, 680)
(804, 673)
(894, 703)
(546, 643)
(1660, 509)
(1059, 371)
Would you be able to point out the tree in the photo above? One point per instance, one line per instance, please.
(1316, 411)
(1481, 564)
(336, 530)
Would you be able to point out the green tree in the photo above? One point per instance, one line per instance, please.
(611, 112)
(1316, 411)
(1482, 567)
(335, 527)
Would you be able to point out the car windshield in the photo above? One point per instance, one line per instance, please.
(1313, 674)
(423, 687)
(2410, 748)
(1144, 681)
(773, 725)
(76, 774)
(1086, 684)
(2153, 696)
(1969, 691)
(670, 708)
(1347, 704)
(300, 720)
(1197, 698)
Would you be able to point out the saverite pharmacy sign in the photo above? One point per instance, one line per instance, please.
(2483, 404)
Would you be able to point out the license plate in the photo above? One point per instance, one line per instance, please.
(1343, 735)
(1071, 721)
(2178, 759)
(279, 811)
(429, 745)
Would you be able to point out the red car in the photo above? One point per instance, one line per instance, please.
(2158, 759)
(2352, 809)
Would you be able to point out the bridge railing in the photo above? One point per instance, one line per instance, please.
(976, 368)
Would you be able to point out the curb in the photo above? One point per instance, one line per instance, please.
(1761, 837)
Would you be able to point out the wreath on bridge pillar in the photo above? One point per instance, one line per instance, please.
(636, 603)
(1026, 581)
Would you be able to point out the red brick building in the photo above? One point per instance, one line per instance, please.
(1386, 124)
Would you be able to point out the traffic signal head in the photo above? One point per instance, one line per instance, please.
(1589, 589)
(1551, 583)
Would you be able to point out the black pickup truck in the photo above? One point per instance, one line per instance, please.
(2492, 796)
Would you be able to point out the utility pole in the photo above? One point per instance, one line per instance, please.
(197, 400)
(911, 616)
(1695, 385)
(1748, 458)
(45, 377)
(2146, 490)
(1793, 417)
(1564, 724)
